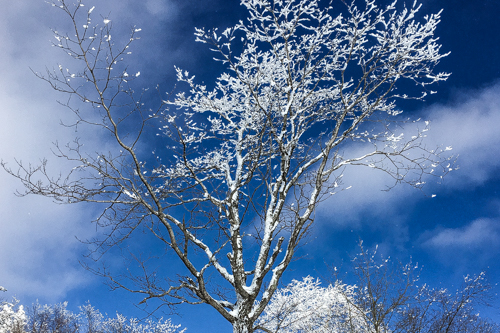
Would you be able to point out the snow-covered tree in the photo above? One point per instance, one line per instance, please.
(389, 298)
(385, 298)
(57, 319)
(12, 317)
(51, 319)
(306, 307)
(308, 92)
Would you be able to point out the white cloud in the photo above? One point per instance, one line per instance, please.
(39, 252)
(38, 248)
(479, 233)
(469, 126)
(159, 7)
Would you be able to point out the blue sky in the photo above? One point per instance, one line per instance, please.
(451, 235)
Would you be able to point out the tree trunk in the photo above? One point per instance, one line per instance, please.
(242, 326)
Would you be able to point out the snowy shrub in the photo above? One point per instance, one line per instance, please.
(93, 321)
(306, 306)
(48, 319)
(385, 298)
(57, 319)
(12, 317)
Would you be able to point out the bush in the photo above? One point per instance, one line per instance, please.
(58, 319)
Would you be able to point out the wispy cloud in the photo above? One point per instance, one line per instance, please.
(466, 249)
(469, 126)
(38, 249)
(480, 233)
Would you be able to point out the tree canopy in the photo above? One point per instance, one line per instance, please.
(245, 164)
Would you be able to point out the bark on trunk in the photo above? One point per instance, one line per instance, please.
(242, 327)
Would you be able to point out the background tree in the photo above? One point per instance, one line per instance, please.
(52, 319)
(307, 93)
(384, 297)
(390, 299)
(12, 317)
(306, 306)
(57, 319)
